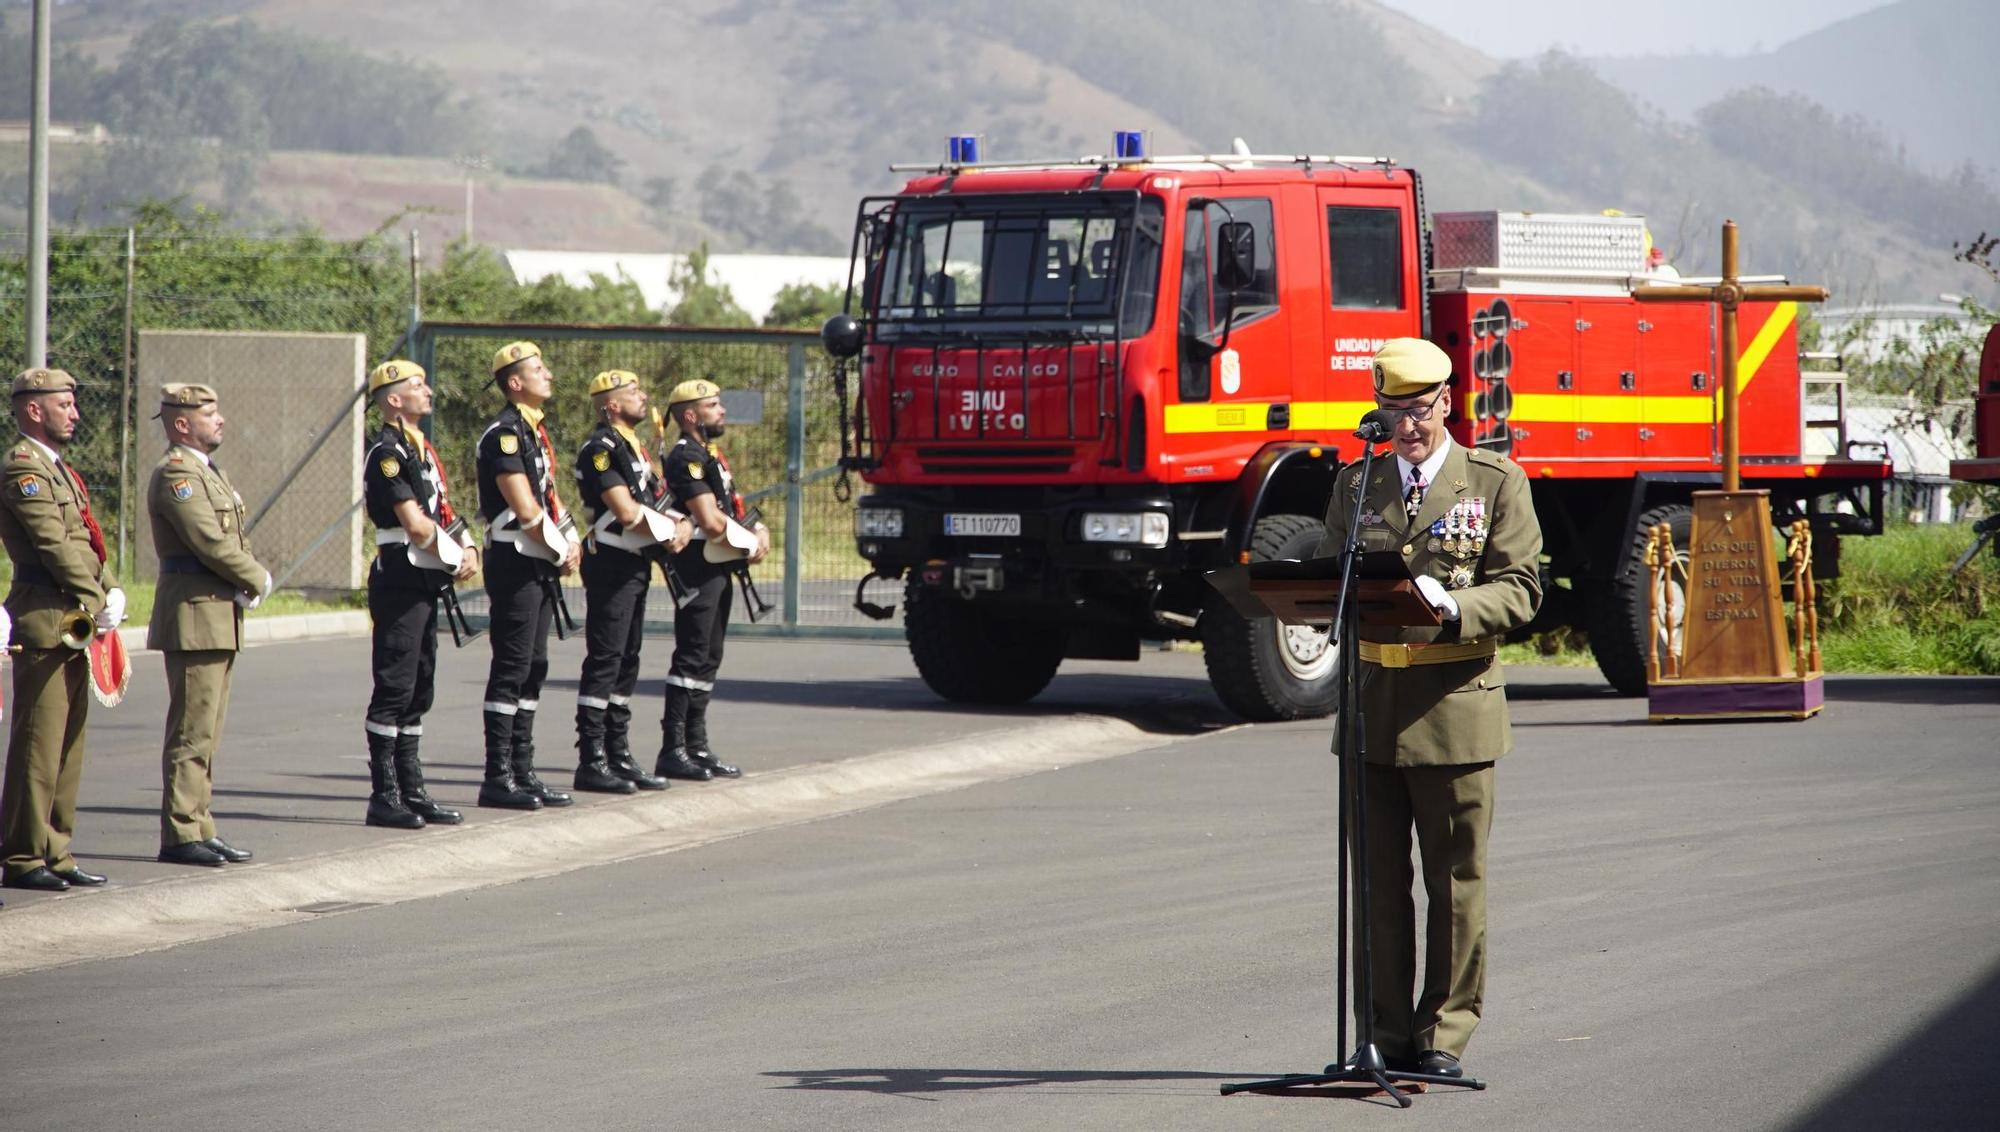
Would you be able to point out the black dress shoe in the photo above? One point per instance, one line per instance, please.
(191, 853)
(716, 766)
(675, 762)
(77, 876)
(1438, 1063)
(39, 879)
(227, 851)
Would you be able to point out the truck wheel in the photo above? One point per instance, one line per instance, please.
(1263, 670)
(1618, 626)
(974, 654)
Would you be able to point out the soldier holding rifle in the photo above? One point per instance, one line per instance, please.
(530, 543)
(422, 547)
(702, 486)
(624, 504)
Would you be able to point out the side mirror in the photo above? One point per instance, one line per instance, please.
(841, 336)
(1235, 255)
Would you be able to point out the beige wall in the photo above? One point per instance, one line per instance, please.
(277, 392)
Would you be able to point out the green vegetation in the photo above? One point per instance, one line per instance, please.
(1895, 608)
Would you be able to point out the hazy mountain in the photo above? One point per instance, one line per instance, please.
(762, 122)
(1923, 70)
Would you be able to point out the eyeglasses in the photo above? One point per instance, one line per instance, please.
(1419, 414)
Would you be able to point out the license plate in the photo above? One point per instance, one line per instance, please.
(963, 524)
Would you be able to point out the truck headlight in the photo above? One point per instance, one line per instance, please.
(1148, 528)
(878, 522)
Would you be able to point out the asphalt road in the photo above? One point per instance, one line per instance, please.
(1730, 926)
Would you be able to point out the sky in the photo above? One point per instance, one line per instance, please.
(1526, 28)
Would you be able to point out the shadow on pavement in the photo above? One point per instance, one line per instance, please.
(1981, 690)
(904, 1081)
(1158, 704)
(1932, 1079)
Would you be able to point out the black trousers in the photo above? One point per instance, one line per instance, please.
(403, 657)
(615, 583)
(522, 610)
(700, 624)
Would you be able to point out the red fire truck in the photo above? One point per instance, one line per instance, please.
(1984, 466)
(1084, 384)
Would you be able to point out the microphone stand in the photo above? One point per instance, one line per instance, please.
(1350, 747)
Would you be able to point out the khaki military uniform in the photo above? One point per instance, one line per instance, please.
(205, 562)
(1435, 730)
(56, 571)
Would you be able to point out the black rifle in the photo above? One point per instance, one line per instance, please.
(753, 601)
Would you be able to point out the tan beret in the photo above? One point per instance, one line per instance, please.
(389, 373)
(1408, 367)
(612, 379)
(186, 395)
(697, 389)
(514, 352)
(42, 381)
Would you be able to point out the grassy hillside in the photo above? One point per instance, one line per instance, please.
(761, 123)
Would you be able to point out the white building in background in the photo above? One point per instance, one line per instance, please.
(754, 280)
(1884, 324)
(1920, 451)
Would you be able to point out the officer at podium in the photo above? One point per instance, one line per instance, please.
(1435, 700)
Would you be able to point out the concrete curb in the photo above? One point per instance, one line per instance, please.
(116, 922)
(288, 627)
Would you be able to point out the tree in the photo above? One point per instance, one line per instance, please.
(805, 306)
(579, 156)
(703, 302)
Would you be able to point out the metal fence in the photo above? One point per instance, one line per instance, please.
(785, 461)
(106, 287)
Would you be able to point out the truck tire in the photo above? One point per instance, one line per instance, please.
(970, 653)
(1262, 670)
(1618, 626)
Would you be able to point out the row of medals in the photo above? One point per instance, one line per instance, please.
(1461, 532)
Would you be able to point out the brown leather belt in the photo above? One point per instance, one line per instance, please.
(1405, 656)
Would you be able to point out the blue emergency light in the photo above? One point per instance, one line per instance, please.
(965, 149)
(1130, 145)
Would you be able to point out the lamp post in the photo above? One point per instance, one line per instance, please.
(472, 163)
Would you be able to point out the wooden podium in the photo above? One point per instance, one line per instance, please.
(1726, 656)
(1307, 591)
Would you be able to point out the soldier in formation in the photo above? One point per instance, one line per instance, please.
(624, 505)
(208, 577)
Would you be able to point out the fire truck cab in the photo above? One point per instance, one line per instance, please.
(1084, 384)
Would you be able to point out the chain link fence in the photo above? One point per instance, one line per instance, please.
(107, 288)
(782, 442)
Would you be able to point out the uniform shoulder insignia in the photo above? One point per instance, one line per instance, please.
(694, 468)
(29, 487)
(600, 460)
(390, 466)
(509, 443)
(183, 490)
(175, 457)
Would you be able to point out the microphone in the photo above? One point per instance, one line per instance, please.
(1377, 426)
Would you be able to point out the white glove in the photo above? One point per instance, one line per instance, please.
(113, 611)
(1440, 599)
(252, 601)
(6, 626)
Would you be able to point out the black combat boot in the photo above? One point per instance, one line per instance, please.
(410, 772)
(385, 802)
(674, 761)
(524, 763)
(618, 750)
(697, 739)
(594, 775)
(499, 789)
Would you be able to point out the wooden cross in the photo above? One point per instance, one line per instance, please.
(1729, 294)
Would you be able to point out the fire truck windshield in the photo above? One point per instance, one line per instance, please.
(1085, 264)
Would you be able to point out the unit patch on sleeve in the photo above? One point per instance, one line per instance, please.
(509, 443)
(183, 490)
(29, 486)
(694, 468)
(390, 467)
(600, 460)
